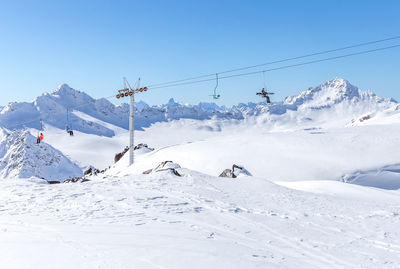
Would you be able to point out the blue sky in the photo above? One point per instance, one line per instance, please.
(91, 45)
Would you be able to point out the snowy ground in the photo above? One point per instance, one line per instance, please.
(164, 221)
(124, 219)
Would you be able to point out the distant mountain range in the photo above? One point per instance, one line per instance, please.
(336, 100)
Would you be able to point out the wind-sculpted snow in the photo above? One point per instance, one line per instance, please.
(387, 177)
(21, 157)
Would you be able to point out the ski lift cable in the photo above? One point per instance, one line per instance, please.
(224, 77)
(264, 85)
(281, 67)
(69, 124)
(281, 61)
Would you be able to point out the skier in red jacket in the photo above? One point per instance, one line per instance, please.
(40, 138)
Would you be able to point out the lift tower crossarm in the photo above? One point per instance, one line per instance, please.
(125, 92)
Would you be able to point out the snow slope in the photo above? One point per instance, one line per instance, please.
(296, 155)
(197, 221)
(21, 157)
(387, 177)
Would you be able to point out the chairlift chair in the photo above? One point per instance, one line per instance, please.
(264, 93)
(215, 95)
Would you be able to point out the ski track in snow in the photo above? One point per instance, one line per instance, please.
(190, 216)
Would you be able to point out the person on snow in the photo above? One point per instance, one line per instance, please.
(40, 138)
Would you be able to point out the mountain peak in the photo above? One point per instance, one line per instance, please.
(65, 90)
(332, 92)
(172, 103)
(341, 87)
(64, 87)
(69, 96)
(338, 82)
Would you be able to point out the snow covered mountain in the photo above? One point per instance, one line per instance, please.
(339, 94)
(21, 157)
(334, 102)
(54, 109)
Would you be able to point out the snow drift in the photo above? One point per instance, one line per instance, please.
(387, 177)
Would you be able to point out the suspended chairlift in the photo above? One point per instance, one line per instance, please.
(40, 135)
(68, 127)
(264, 93)
(215, 95)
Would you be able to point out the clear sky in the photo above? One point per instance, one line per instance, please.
(91, 45)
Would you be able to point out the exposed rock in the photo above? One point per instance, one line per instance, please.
(141, 146)
(227, 173)
(168, 166)
(235, 172)
(88, 171)
(92, 171)
(54, 182)
(76, 180)
(148, 171)
(364, 118)
(119, 156)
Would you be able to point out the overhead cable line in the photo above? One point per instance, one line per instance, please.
(279, 68)
(223, 77)
(280, 61)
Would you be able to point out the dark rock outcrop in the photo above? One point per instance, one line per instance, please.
(76, 180)
(142, 146)
(235, 172)
(119, 156)
(91, 171)
(168, 166)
